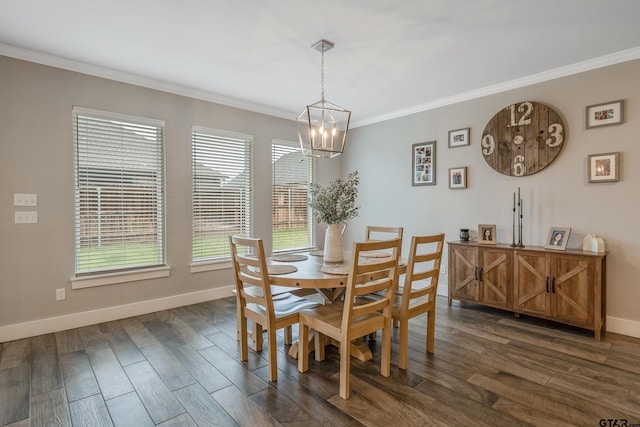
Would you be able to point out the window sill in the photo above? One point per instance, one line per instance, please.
(121, 277)
(211, 266)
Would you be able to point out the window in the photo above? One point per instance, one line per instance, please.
(222, 200)
(293, 225)
(119, 192)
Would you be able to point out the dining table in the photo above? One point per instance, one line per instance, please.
(308, 271)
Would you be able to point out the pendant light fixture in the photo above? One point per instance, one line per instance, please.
(323, 126)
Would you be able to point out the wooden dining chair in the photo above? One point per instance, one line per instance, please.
(418, 294)
(346, 321)
(376, 233)
(257, 303)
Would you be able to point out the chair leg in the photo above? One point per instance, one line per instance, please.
(385, 363)
(273, 357)
(403, 355)
(345, 367)
(288, 335)
(242, 331)
(431, 330)
(257, 336)
(320, 343)
(303, 348)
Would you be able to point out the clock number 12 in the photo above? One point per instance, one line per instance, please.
(525, 119)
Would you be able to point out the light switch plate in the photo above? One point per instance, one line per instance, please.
(20, 199)
(26, 217)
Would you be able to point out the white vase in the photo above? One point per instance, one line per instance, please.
(333, 246)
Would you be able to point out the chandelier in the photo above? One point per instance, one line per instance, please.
(323, 126)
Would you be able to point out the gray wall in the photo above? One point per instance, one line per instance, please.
(36, 156)
(557, 196)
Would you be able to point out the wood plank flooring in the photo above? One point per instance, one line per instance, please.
(180, 367)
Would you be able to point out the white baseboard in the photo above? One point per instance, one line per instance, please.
(44, 326)
(76, 320)
(623, 326)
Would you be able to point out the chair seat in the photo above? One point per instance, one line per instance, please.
(328, 321)
(285, 305)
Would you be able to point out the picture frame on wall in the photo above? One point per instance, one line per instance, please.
(558, 238)
(605, 114)
(603, 167)
(423, 158)
(458, 178)
(458, 138)
(487, 234)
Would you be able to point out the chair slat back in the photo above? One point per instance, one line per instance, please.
(250, 268)
(376, 233)
(425, 255)
(370, 275)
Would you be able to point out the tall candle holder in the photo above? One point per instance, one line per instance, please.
(520, 245)
(513, 223)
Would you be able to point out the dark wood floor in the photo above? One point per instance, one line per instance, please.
(180, 368)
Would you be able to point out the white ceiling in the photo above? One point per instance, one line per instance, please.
(391, 58)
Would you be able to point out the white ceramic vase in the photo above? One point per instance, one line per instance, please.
(333, 246)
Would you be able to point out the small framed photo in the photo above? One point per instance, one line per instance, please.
(487, 234)
(609, 113)
(423, 158)
(458, 178)
(458, 138)
(558, 238)
(603, 167)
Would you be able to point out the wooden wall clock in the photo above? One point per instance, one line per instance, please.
(523, 138)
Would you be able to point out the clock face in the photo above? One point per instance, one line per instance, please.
(522, 139)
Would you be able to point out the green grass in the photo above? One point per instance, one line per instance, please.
(136, 254)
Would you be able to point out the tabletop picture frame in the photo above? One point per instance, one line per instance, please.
(558, 238)
(487, 234)
(459, 138)
(603, 167)
(423, 160)
(458, 178)
(604, 114)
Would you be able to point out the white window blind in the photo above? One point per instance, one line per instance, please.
(119, 192)
(222, 199)
(293, 225)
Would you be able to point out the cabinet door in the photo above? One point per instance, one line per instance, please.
(463, 272)
(496, 284)
(532, 288)
(572, 279)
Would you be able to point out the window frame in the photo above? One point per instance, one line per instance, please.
(126, 272)
(215, 137)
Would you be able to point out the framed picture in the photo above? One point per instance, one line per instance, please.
(609, 113)
(458, 138)
(458, 178)
(487, 234)
(423, 158)
(558, 238)
(603, 167)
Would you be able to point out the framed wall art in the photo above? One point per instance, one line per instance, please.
(558, 238)
(423, 158)
(603, 167)
(606, 114)
(458, 138)
(487, 234)
(458, 178)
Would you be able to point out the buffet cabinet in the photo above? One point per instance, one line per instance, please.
(563, 286)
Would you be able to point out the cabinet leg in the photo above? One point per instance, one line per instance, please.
(517, 315)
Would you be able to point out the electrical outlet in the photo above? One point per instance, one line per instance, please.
(25, 217)
(60, 294)
(25, 199)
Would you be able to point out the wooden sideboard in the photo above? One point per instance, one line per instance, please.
(563, 286)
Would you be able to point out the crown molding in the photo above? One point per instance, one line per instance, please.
(80, 67)
(107, 73)
(579, 67)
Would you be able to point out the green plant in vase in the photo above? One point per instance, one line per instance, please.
(333, 205)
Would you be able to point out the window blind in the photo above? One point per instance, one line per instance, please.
(119, 192)
(293, 226)
(222, 200)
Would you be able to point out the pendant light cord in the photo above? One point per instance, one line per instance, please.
(322, 72)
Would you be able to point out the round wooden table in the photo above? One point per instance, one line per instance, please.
(310, 276)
